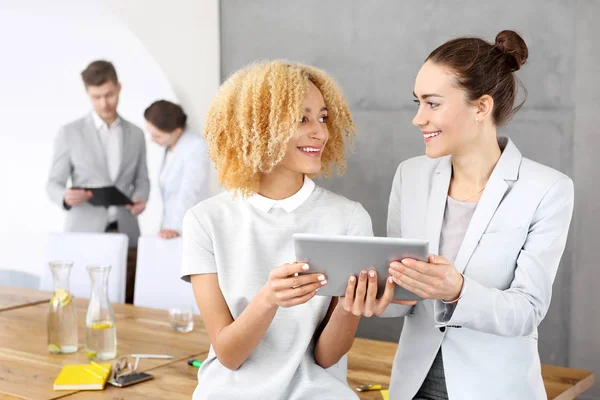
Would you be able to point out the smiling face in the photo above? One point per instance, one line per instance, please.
(306, 146)
(445, 117)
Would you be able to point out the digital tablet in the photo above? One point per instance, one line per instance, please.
(338, 257)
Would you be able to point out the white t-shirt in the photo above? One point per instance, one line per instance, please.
(242, 240)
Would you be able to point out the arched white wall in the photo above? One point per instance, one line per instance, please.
(183, 37)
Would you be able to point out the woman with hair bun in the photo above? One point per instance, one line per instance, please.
(497, 224)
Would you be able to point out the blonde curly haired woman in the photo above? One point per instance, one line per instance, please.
(270, 125)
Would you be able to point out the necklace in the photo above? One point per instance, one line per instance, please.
(469, 198)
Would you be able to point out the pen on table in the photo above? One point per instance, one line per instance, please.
(366, 388)
(194, 363)
(163, 356)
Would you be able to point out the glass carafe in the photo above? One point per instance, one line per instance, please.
(100, 329)
(62, 317)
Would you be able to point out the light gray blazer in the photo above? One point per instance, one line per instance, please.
(186, 179)
(509, 257)
(79, 154)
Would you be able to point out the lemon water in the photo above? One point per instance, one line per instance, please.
(101, 341)
(100, 329)
(62, 323)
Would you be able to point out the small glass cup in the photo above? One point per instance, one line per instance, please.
(181, 319)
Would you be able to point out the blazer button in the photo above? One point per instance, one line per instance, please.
(442, 329)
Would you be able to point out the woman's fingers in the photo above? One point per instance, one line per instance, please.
(296, 281)
(410, 288)
(299, 291)
(399, 271)
(387, 298)
(287, 270)
(405, 302)
(361, 291)
(300, 299)
(371, 299)
(349, 296)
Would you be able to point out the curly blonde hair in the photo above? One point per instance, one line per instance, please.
(256, 112)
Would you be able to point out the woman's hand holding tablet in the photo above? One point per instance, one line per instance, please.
(286, 287)
(361, 299)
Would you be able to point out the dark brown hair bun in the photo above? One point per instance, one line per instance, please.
(514, 47)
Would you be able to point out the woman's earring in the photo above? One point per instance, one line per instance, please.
(477, 119)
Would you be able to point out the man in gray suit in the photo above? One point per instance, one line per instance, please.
(101, 149)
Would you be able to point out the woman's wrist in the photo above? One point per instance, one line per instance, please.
(458, 293)
(342, 311)
(265, 298)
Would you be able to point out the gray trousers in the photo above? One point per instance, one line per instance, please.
(434, 386)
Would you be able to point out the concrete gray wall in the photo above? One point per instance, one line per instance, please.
(375, 49)
(584, 327)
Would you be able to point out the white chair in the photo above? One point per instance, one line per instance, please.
(20, 279)
(157, 281)
(84, 249)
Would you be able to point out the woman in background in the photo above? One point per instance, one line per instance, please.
(185, 171)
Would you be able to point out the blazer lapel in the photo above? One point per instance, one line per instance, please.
(93, 138)
(437, 203)
(507, 169)
(489, 202)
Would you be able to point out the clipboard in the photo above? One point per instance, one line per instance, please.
(107, 196)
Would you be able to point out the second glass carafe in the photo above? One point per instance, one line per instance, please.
(100, 329)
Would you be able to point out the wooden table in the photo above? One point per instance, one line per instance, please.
(566, 383)
(12, 297)
(176, 380)
(370, 361)
(27, 370)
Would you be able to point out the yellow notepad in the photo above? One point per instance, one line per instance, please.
(82, 377)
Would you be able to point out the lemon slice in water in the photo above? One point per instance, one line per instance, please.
(62, 296)
(91, 354)
(54, 348)
(102, 325)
